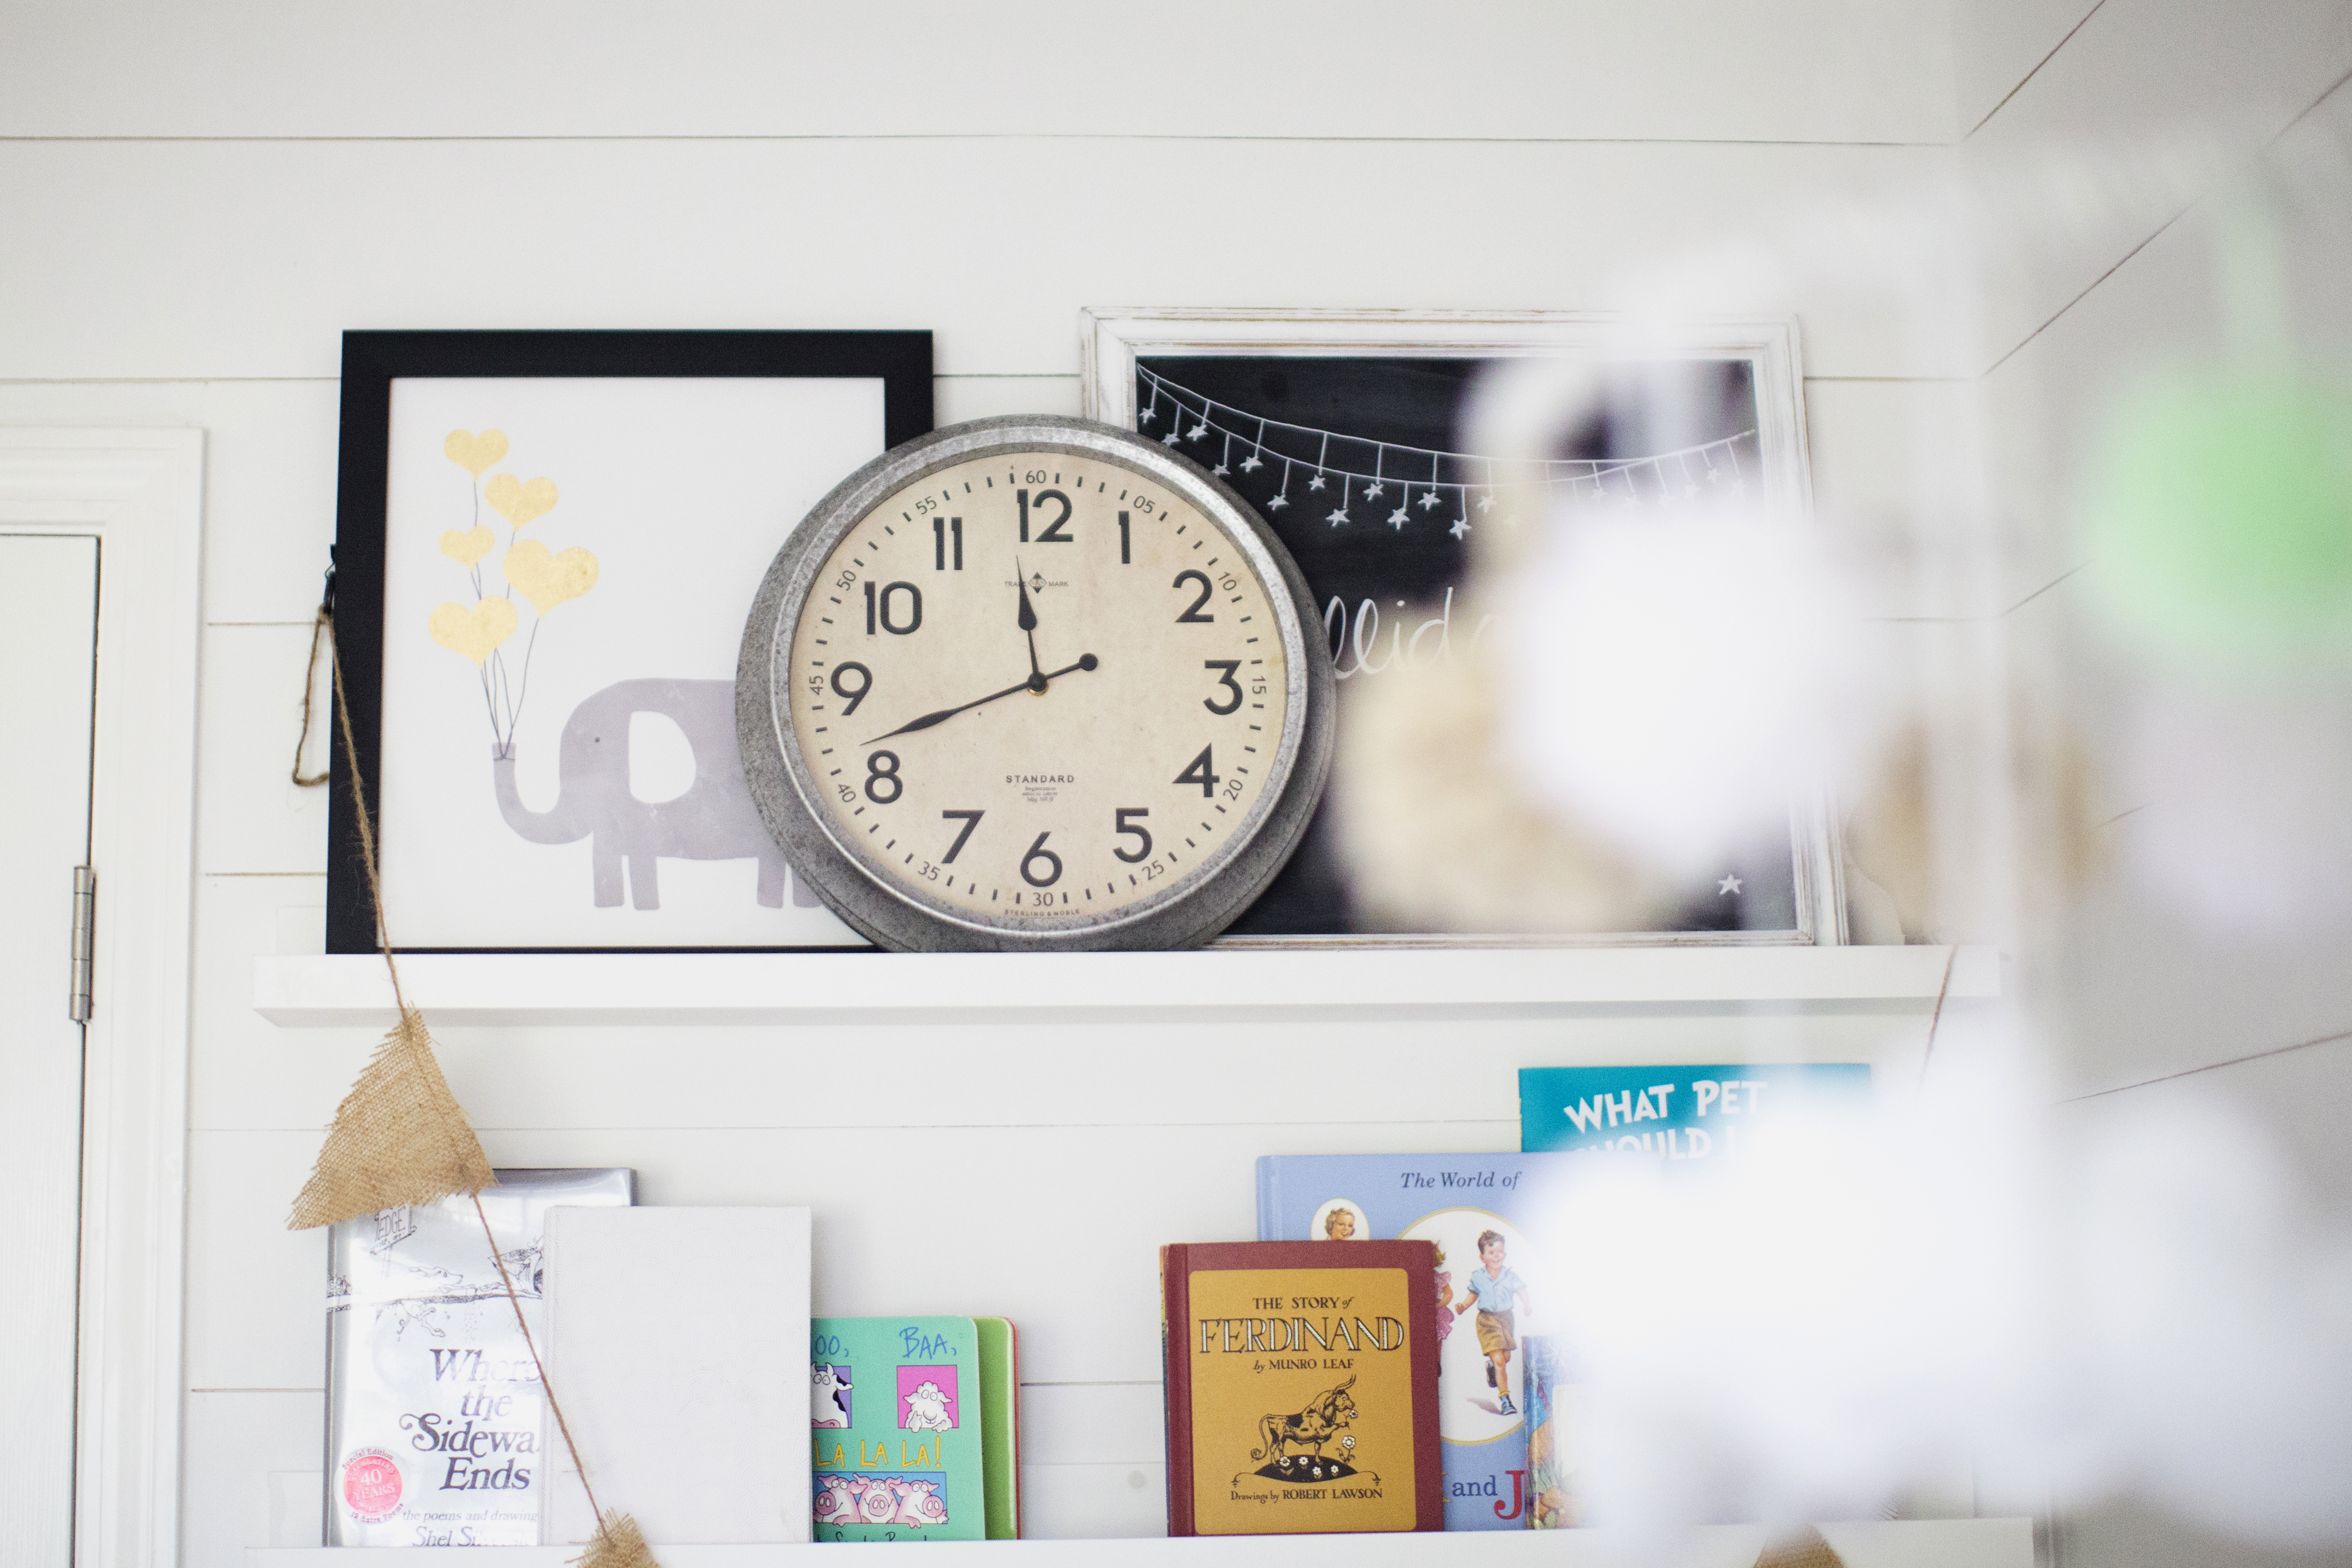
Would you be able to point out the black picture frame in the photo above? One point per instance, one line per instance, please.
(900, 360)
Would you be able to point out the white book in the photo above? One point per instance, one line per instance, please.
(678, 1346)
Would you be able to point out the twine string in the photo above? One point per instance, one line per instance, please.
(319, 628)
(326, 627)
(544, 1387)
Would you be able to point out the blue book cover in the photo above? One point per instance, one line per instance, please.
(1458, 1201)
(1677, 1114)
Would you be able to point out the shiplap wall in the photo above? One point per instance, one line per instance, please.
(198, 200)
(2149, 1008)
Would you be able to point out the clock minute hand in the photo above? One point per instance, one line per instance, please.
(943, 715)
(1035, 683)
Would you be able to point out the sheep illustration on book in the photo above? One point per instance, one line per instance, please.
(1310, 1429)
(926, 1409)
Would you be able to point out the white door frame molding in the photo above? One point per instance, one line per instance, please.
(141, 492)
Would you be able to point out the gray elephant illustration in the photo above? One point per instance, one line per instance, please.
(713, 820)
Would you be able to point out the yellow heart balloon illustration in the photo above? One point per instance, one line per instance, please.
(549, 580)
(519, 502)
(475, 631)
(466, 548)
(474, 453)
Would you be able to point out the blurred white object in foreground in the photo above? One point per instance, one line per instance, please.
(1675, 682)
(2066, 1299)
(2242, 821)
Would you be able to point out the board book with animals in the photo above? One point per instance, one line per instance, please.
(1301, 1381)
(1475, 1210)
(899, 1413)
(999, 1425)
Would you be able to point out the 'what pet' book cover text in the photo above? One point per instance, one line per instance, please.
(1301, 1384)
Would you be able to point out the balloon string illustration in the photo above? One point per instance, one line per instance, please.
(479, 632)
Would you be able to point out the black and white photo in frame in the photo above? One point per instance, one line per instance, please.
(547, 543)
(1346, 430)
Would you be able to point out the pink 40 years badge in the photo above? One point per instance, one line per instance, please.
(371, 1485)
(926, 1398)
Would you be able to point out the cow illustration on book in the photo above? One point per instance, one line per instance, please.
(829, 1392)
(1309, 1429)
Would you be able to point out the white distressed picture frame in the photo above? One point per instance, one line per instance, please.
(1112, 338)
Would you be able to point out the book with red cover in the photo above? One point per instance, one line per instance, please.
(1301, 1379)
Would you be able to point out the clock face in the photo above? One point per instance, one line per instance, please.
(1037, 692)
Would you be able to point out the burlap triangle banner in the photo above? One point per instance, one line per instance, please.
(399, 1137)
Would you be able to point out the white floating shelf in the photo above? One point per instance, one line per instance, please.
(1910, 1543)
(807, 988)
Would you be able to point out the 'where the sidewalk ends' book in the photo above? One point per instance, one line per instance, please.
(1483, 1307)
(1301, 1381)
(895, 1419)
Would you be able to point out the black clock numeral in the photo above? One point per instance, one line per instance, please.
(1199, 774)
(1124, 559)
(1224, 669)
(941, 529)
(1053, 535)
(865, 685)
(879, 609)
(882, 768)
(1121, 827)
(1192, 612)
(1037, 852)
(971, 821)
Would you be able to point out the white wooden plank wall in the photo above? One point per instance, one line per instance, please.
(2150, 1008)
(200, 199)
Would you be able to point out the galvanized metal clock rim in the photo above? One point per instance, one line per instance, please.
(864, 893)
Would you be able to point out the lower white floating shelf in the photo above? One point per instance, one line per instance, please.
(1907, 1543)
(498, 988)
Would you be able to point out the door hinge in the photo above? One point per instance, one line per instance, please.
(85, 938)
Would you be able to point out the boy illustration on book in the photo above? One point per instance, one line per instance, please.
(1497, 1289)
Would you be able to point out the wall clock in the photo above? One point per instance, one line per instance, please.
(1033, 683)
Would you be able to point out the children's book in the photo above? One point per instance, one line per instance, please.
(1301, 1387)
(1474, 1208)
(1680, 1114)
(999, 1425)
(436, 1430)
(897, 1410)
(1553, 1459)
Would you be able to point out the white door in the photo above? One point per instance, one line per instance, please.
(48, 657)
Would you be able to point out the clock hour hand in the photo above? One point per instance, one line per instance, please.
(1038, 676)
(1035, 683)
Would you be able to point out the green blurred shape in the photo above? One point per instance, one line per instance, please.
(2219, 512)
(2219, 503)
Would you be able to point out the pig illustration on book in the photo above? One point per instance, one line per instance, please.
(919, 1502)
(828, 1396)
(836, 1499)
(926, 1409)
(877, 1503)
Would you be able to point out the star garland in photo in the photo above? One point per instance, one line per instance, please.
(1436, 487)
